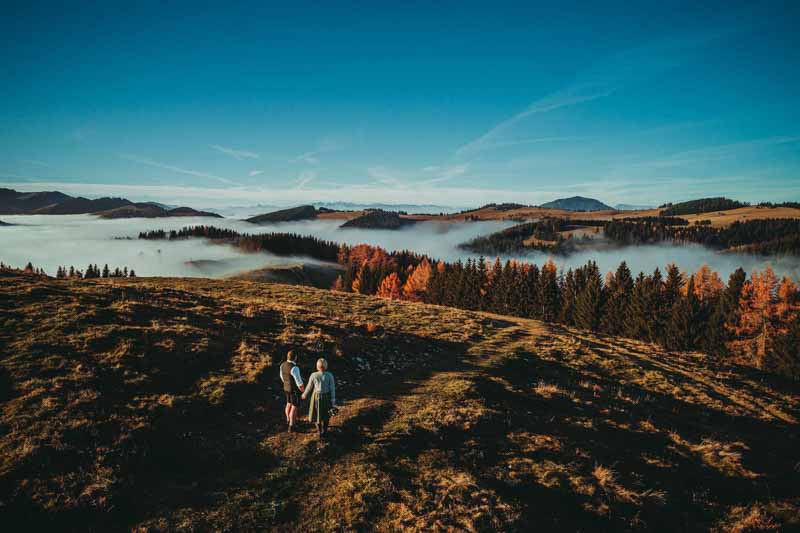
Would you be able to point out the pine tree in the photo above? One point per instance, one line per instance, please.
(482, 282)
(548, 292)
(673, 286)
(785, 355)
(637, 320)
(589, 302)
(131, 274)
(569, 295)
(532, 292)
(618, 291)
(681, 327)
(106, 272)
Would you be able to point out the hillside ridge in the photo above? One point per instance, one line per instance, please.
(152, 403)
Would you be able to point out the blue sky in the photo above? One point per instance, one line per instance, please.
(458, 104)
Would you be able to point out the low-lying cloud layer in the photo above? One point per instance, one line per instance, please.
(50, 241)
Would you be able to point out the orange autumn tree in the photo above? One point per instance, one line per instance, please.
(364, 254)
(758, 314)
(788, 300)
(707, 284)
(417, 282)
(390, 287)
(338, 285)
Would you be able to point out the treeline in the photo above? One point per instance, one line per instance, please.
(754, 320)
(764, 236)
(794, 205)
(702, 205)
(63, 272)
(189, 232)
(541, 235)
(93, 271)
(776, 236)
(274, 243)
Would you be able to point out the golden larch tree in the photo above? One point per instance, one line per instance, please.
(390, 287)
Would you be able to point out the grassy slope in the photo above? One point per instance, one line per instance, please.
(153, 403)
(717, 218)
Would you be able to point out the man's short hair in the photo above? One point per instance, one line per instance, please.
(290, 355)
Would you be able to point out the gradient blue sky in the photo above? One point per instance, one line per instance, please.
(458, 104)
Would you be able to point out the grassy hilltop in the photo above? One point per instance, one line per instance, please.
(153, 404)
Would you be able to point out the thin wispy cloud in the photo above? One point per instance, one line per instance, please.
(306, 177)
(427, 175)
(708, 154)
(601, 80)
(239, 155)
(254, 173)
(569, 97)
(173, 168)
(306, 157)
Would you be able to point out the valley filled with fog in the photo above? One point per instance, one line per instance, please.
(48, 241)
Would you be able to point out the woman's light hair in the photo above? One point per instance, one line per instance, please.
(322, 364)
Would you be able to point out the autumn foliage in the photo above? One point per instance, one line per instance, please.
(749, 321)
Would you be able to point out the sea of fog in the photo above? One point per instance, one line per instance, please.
(48, 241)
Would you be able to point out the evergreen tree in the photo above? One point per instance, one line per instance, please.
(569, 295)
(672, 286)
(785, 356)
(482, 282)
(106, 272)
(532, 292)
(618, 299)
(589, 302)
(638, 317)
(548, 292)
(680, 333)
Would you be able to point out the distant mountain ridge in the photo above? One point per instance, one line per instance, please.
(578, 203)
(57, 203)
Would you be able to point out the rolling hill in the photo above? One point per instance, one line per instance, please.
(578, 203)
(303, 212)
(378, 219)
(56, 203)
(148, 210)
(153, 404)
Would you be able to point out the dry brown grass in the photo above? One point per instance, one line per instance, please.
(153, 405)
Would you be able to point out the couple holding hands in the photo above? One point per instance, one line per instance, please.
(321, 388)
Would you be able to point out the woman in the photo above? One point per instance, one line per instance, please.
(322, 389)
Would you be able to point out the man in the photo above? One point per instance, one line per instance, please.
(292, 386)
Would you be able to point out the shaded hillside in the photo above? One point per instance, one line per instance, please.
(56, 203)
(148, 210)
(154, 404)
(14, 203)
(321, 276)
(578, 203)
(303, 212)
(378, 219)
